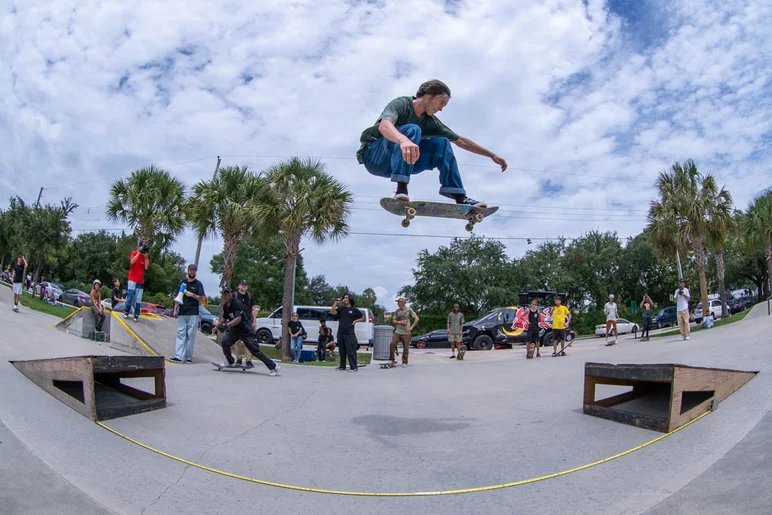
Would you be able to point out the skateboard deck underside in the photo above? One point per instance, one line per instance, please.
(435, 209)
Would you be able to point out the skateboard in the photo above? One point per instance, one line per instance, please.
(388, 365)
(473, 215)
(231, 368)
(461, 352)
(609, 344)
(530, 349)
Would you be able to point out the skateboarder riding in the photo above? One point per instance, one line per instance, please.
(236, 322)
(407, 139)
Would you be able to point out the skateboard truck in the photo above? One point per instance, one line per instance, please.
(475, 218)
(409, 215)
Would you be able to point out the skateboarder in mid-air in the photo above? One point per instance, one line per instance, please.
(407, 139)
(237, 323)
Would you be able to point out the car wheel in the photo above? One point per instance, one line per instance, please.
(659, 325)
(263, 337)
(547, 340)
(206, 328)
(483, 342)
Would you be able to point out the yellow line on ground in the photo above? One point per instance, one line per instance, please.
(401, 494)
(133, 334)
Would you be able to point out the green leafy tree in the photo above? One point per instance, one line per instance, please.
(594, 261)
(152, 203)
(224, 205)
(163, 277)
(91, 255)
(322, 294)
(758, 233)
(299, 199)
(473, 272)
(679, 219)
(544, 268)
(720, 223)
(643, 273)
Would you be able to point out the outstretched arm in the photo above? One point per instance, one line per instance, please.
(471, 146)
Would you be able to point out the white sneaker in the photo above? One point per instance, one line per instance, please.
(404, 365)
(686, 338)
(275, 371)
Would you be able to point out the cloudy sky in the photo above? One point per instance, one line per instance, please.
(588, 101)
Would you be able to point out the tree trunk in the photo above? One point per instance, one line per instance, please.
(230, 249)
(143, 233)
(721, 272)
(292, 244)
(768, 252)
(699, 257)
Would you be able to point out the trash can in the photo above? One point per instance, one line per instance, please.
(382, 342)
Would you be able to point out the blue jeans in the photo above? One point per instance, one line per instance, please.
(187, 325)
(133, 296)
(384, 159)
(296, 344)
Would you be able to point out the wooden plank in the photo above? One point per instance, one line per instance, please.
(655, 372)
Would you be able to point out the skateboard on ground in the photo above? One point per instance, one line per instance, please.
(388, 365)
(411, 209)
(461, 352)
(231, 368)
(530, 349)
(609, 344)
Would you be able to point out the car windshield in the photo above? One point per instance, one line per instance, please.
(204, 311)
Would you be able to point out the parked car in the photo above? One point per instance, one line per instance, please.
(208, 320)
(57, 290)
(6, 276)
(75, 298)
(715, 309)
(624, 326)
(666, 316)
(269, 328)
(434, 340)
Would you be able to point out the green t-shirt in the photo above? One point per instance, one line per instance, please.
(401, 112)
(403, 314)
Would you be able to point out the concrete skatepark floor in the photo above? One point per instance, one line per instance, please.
(428, 427)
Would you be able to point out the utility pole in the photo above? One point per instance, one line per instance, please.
(40, 194)
(201, 236)
(680, 270)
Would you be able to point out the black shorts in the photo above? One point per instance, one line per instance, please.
(559, 335)
(533, 335)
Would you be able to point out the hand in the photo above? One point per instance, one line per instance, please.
(410, 151)
(500, 161)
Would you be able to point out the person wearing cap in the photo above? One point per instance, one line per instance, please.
(612, 315)
(188, 316)
(138, 263)
(455, 329)
(235, 323)
(682, 296)
(96, 305)
(402, 330)
(248, 303)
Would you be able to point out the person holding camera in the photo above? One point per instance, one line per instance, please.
(187, 315)
(646, 311)
(234, 321)
(348, 316)
(138, 263)
(682, 297)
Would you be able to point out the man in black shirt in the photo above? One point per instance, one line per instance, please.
(348, 316)
(235, 321)
(18, 280)
(117, 293)
(248, 303)
(188, 316)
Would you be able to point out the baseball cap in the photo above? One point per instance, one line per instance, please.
(243, 281)
(97, 281)
(226, 290)
(192, 266)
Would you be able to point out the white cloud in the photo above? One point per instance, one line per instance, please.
(91, 92)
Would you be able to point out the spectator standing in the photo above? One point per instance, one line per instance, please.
(235, 323)
(612, 315)
(348, 316)
(533, 325)
(296, 331)
(187, 315)
(325, 336)
(18, 269)
(402, 330)
(250, 310)
(96, 306)
(682, 296)
(455, 329)
(138, 263)
(117, 293)
(646, 312)
(561, 317)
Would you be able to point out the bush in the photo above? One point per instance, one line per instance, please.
(161, 299)
(429, 322)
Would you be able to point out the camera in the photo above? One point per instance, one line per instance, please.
(143, 247)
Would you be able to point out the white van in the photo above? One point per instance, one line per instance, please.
(269, 329)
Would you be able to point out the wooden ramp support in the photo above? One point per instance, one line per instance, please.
(91, 385)
(663, 397)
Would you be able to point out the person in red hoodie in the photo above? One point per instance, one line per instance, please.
(138, 263)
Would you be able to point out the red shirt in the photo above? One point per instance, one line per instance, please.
(137, 270)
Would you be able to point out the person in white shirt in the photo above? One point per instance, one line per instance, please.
(682, 297)
(612, 315)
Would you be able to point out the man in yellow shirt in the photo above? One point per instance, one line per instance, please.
(561, 317)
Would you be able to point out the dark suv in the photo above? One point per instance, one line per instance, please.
(509, 325)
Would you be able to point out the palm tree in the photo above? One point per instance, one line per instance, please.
(679, 220)
(758, 230)
(721, 222)
(151, 202)
(298, 198)
(224, 204)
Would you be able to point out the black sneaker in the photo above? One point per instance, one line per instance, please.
(468, 201)
(453, 356)
(563, 353)
(249, 364)
(176, 360)
(188, 361)
(353, 369)
(238, 362)
(341, 368)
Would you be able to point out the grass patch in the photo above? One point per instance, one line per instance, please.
(35, 303)
(274, 353)
(724, 321)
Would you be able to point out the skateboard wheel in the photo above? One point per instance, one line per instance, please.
(410, 212)
(478, 217)
(469, 226)
(405, 223)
